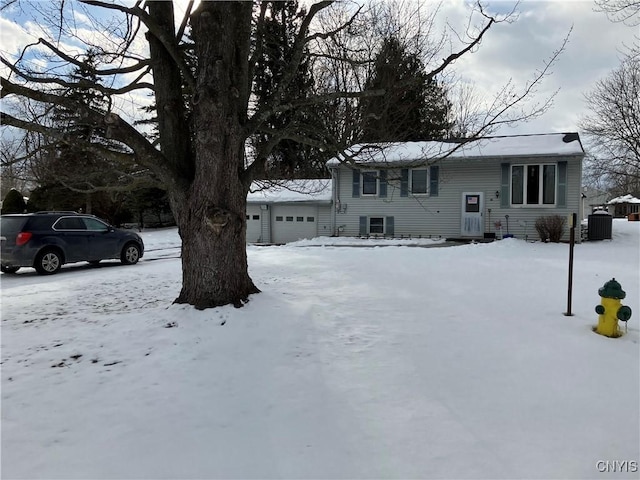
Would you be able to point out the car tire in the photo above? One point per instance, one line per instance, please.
(9, 269)
(130, 254)
(48, 262)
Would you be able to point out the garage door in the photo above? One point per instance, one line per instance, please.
(253, 223)
(291, 223)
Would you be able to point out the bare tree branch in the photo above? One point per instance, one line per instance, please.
(168, 41)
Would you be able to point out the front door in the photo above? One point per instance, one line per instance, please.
(472, 224)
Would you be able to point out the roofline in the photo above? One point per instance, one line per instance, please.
(263, 202)
(568, 137)
(434, 160)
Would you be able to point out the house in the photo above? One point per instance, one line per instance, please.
(288, 211)
(624, 205)
(457, 190)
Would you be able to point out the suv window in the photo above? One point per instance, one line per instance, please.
(40, 222)
(95, 225)
(11, 225)
(69, 223)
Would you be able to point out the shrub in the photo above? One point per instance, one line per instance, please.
(550, 228)
(13, 202)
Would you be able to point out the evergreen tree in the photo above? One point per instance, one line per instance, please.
(289, 158)
(414, 107)
(13, 202)
(74, 167)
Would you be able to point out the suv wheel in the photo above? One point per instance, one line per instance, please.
(130, 254)
(9, 269)
(48, 262)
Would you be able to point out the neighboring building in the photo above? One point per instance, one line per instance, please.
(623, 206)
(289, 211)
(453, 190)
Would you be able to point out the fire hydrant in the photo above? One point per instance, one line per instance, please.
(610, 309)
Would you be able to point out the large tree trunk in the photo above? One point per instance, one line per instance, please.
(214, 251)
(211, 214)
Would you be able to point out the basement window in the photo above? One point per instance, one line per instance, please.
(376, 225)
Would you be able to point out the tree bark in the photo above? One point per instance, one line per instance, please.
(211, 216)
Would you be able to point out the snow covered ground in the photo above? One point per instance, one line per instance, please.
(382, 362)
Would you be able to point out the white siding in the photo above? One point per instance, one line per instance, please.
(254, 226)
(324, 220)
(440, 216)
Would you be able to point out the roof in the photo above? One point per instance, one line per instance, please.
(624, 199)
(551, 144)
(284, 191)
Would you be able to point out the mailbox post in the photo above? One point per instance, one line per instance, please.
(573, 219)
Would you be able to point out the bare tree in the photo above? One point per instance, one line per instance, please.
(627, 11)
(14, 173)
(613, 128)
(208, 57)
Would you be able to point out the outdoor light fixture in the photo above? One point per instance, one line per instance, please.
(497, 193)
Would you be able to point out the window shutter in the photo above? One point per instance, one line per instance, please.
(561, 197)
(389, 224)
(504, 185)
(383, 183)
(363, 225)
(404, 182)
(433, 180)
(356, 183)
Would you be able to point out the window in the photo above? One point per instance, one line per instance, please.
(376, 225)
(69, 223)
(370, 183)
(311, 219)
(95, 225)
(289, 219)
(278, 219)
(247, 217)
(533, 185)
(299, 219)
(256, 217)
(419, 181)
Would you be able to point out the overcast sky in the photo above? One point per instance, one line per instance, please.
(516, 50)
(511, 51)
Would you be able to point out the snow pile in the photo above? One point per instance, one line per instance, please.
(366, 242)
(387, 362)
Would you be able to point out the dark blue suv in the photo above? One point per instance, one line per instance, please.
(47, 240)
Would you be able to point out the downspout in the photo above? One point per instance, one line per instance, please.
(335, 182)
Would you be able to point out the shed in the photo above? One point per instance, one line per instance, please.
(624, 205)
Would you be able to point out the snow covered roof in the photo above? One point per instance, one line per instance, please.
(624, 199)
(552, 144)
(311, 190)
